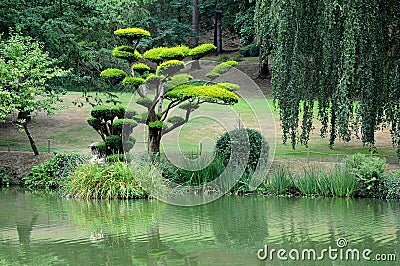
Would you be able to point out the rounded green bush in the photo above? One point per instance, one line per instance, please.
(101, 148)
(95, 123)
(258, 150)
(202, 50)
(169, 67)
(127, 124)
(113, 73)
(177, 53)
(140, 67)
(156, 124)
(114, 143)
(133, 81)
(132, 33)
(154, 54)
(107, 113)
(127, 53)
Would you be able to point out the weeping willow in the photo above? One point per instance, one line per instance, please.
(343, 53)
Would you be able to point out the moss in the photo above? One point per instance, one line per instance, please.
(127, 53)
(133, 81)
(170, 66)
(214, 92)
(113, 73)
(132, 33)
(201, 50)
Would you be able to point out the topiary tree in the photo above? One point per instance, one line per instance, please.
(167, 82)
(109, 121)
(258, 152)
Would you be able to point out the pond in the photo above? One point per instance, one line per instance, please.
(48, 230)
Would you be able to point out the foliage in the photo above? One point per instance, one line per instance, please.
(211, 93)
(221, 69)
(391, 185)
(54, 173)
(341, 182)
(170, 84)
(244, 25)
(209, 171)
(238, 138)
(127, 53)
(368, 172)
(140, 67)
(113, 73)
(132, 33)
(25, 73)
(119, 158)
(346, 55)
(114, 130)
(250, 50)
(170, 66)
(104, 181)
(177, 53)
(201, 50)
(132, 81)
(280, 182)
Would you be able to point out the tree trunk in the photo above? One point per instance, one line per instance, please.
(28, 133)
(218, 31)
(25, 117)
(195, 22)
(263, 71)
(154, 139)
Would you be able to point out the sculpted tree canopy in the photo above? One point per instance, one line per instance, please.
(167, 87)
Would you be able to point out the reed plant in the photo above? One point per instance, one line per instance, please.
(104, 181)
(307, 182)
(280, 182)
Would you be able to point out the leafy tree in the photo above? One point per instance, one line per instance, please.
(66, 30)
(109, 122)
(25, 70)
(168, 87)
(346, 54)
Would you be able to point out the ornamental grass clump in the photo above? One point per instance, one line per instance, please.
(104, 181)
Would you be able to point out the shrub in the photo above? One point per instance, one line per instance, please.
(104, 181)
(54, 172)
(127, 53)
(133, 81)
(368, 172)
(132, 33)
(202, 50)
(390, 186)
(170, 66)
(258, 150)
(113, 73)
(250, 50)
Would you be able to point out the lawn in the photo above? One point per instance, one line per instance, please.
(68, 131)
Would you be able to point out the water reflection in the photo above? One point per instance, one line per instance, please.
(38, 230)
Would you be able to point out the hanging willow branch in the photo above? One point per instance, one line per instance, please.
(346, 55)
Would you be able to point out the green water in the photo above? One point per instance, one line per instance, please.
(45, 230)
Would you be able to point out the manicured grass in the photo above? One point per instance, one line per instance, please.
(69, 131)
